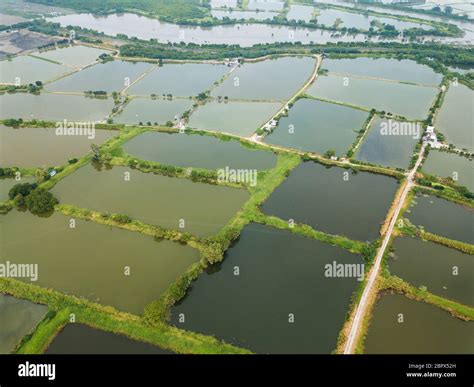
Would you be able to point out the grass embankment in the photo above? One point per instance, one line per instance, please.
(405, 227)
(195, 174)
(108, 319)
(458, 310)
(213, 248)
(124, 222)
(355, 247)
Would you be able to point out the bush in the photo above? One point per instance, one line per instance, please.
(40, 201)
(22, 189)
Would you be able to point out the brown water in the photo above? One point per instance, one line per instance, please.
(90, 260)
(426, 328)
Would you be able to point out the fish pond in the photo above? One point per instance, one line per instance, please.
(298, 303)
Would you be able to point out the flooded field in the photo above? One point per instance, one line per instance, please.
(19, 318)
(83, 340)
(393, 69)
(256, 81)
(300, 12)
(407, 100)
(329, 17)
(244, 35)
(443, 218)
(187, 150)
(74, 56)
(90, 260)
(327, 207)
(456, 117)
(184, 80)
(252, 308)
(266, 5)
(153, 199)
(450, 274)
(240, 118)
(109, 76)
(26, 69)
(420, 330)
(451, 165)
(54, 107)
(237, 15)
(317, 126)
(158, 111)
(38, 147)
(382, 147)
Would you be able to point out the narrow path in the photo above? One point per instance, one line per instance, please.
(311, 79)
(362, 306)
(124, 91)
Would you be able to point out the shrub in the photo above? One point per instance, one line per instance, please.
(40, 201)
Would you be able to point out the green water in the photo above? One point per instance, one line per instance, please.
(391, 149)
(271, 79)
(84, 340)
(7, 183)
(29, 70)
(90, 260)
(451, 165)
(240, 118)
(109, 76)
(397, 98)
(148, 110)
(443, 218)
(455, 119)
(355, 208)
(37, 147)
(252, 309)
(74, 56)
(445, 272)
(187, 150)
(188, 79)
(153, 199)
(398, 70)
(54, 107)
(426, 329)
(18, 318)
(317, 126)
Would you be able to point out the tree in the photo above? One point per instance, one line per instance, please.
(95, 152)
(22, 189)
(40, 201)
(328, 154)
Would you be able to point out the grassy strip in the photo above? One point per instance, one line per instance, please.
(111, 320)
(447, 194)
(45, 59)
(355, 247)
(45, 332)
(126, 223)
(213, 248)
(458, 310)
(195, 174)
(346, 104)
(461, 246)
